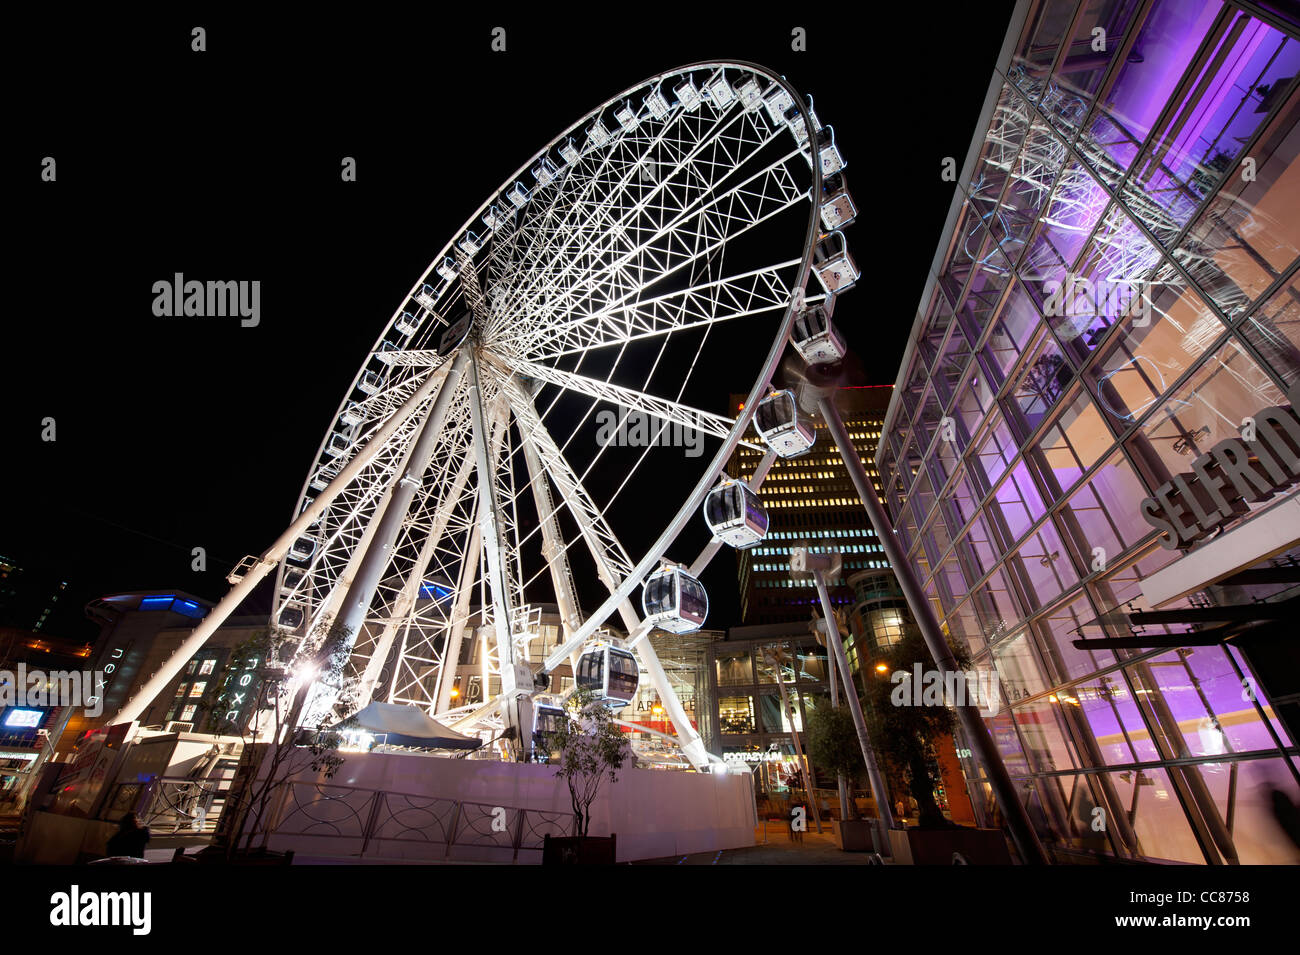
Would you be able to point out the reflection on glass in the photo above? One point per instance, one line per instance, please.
(734, 668)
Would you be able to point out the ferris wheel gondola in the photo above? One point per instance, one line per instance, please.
(779, 422)
(735, 514)
(815, 337)
(609, 673)
(548, 719)
(675, 601)
(838, 207)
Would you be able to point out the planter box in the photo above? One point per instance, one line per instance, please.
(579, 850)
(854, 835)
(936, 846)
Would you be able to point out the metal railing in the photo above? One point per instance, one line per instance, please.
(180, 804)
(377, 818)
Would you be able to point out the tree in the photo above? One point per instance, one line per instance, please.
(591, 749)
(260, 697)
(833, 746)
(908, 735)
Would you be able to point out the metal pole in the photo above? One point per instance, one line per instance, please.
(362, 589)
(841, 783)
(794, 734)
(855, 706)
(1013, 810)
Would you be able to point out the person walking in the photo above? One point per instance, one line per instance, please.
(130, 838)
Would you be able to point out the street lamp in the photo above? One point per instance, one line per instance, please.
(803, 562)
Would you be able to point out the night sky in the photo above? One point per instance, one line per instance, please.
(173, 434)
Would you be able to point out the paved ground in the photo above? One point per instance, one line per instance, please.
(813, 849)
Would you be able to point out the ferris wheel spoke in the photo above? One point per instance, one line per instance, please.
(671, 412)
(695, 233)
(697, 161)
(591, 523)
(702, 303)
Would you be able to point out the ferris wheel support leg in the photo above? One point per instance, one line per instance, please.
(361, 591)
(272, 556)
(878, 787)
(411, 588)
(460, 615)
(517, 708)
(1013, 810)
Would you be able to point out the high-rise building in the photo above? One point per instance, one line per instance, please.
(811, 499)
(36, 598)
(1092, 456)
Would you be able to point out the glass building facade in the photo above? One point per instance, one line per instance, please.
(1116, 293)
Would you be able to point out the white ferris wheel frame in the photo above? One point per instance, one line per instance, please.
(452, 413)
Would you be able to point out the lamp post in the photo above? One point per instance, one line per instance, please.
(1013, 810)
(803, 562)
(841, 784)
(776, 656)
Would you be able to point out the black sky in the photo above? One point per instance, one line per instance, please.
(225, 164)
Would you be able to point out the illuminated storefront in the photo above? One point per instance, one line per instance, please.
(1114, 303)
(751, 726)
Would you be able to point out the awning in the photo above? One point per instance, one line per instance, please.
(407, 725)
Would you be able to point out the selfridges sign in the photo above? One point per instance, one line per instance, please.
(1234, 474)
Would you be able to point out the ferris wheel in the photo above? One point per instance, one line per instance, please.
(504, 435)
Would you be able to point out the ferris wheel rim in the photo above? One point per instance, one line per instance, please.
(476, 216)
(691, 504)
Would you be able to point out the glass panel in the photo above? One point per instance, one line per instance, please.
(1056, 633)
(1205, 697)
(980, 549)
(1018, 502)
(1210, 407)
(1243, 792)
(1105, 511)
(767, 669)
(1143, 360)
(1221, 113)
(1165, 48)
(1018, 669)
(734, 668)
(736, 714)
(1071, 445)
(952, 363)
(1071, 214)
(1042, 382)
(1016, 324)
(995, 451)
(985, 289)
(1274, 330)
(1158, 819)
(1084, 66)
(964, 628)
(1045, 568)
(1112, 718)
(812, 664)
(997, 608)
(1043, 738)
(1249, 234)
(974, 399)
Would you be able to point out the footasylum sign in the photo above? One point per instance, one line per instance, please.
(1233, 474)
